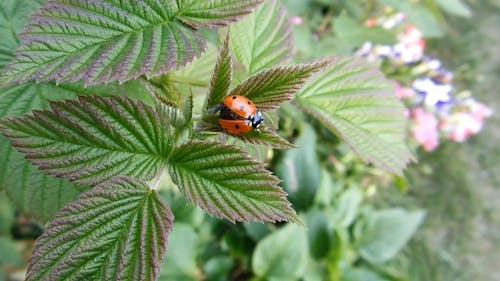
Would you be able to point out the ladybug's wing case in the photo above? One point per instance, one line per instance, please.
(240, 105)
(228, 114)
(235, 127)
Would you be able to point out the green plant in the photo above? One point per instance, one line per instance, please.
(111, 144)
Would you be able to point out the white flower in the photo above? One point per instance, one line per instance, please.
(434, 92)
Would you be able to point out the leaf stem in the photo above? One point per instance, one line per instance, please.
(187, 81)
(157, 180)
(326, 20)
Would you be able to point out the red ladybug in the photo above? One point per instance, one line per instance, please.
(238, 115)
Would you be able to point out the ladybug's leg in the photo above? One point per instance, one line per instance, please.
(215, 108)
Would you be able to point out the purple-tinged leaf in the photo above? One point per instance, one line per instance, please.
(222, 76)
(13, 16)
(215, 13)
(270, 88)
(355, 101)
(116, 231)
(93, 139)
(102, 41)
(227, 183)
(267, 137)
(263, 39)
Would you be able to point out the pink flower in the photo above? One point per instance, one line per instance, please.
(412, 36)
(404, 92)
(425, 129)
(460, 126)
(371, 22)
(480, 111)
(295, 20)
(411, 45)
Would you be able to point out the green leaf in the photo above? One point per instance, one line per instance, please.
(34, 192)
(12, 19)
(347, 207)
(352, 32)
(282, 255)
(319, 233)
(180, 263)
(263, 39)
(195, 77)
(214, 13)
(227, 183)
(7, 215)
(9, 253)
(222, 76)
(384, 233)
(218, 268)
(103, 41)
(358, 274)
(116, 231)
(455, 7)
(93, 139)
(300, 170)
(355, 101)
(419, 15)
(270, 88)
(265, 136)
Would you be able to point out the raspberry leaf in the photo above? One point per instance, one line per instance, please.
(263, 39)
(226, 182)
(270, 88)
(93, 139)
(355, 101)
(105, 40)
(116, 231)
(214, 13)
(222, 76)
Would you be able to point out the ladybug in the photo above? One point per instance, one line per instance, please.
(239, 115)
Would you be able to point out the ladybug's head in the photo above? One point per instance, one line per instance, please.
(256, 119)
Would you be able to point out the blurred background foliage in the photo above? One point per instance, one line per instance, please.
(439, 223)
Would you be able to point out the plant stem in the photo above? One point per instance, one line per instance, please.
(157, 180)
(326, 20)
(187, 81)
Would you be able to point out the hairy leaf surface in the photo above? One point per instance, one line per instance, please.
(269, 88)
(265, 136)
(103, 41)
(213, 13)
(93, 139)
(222, 76)
(12, 19)
(227, 183)
(116, 231)
(357, 102)
(263, 39)
(33, 191)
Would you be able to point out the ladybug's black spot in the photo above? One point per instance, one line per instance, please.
(249, 102)
(235, 97)
(237, 127)
(242, 107)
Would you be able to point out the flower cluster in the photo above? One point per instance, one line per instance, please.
(435, 108)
